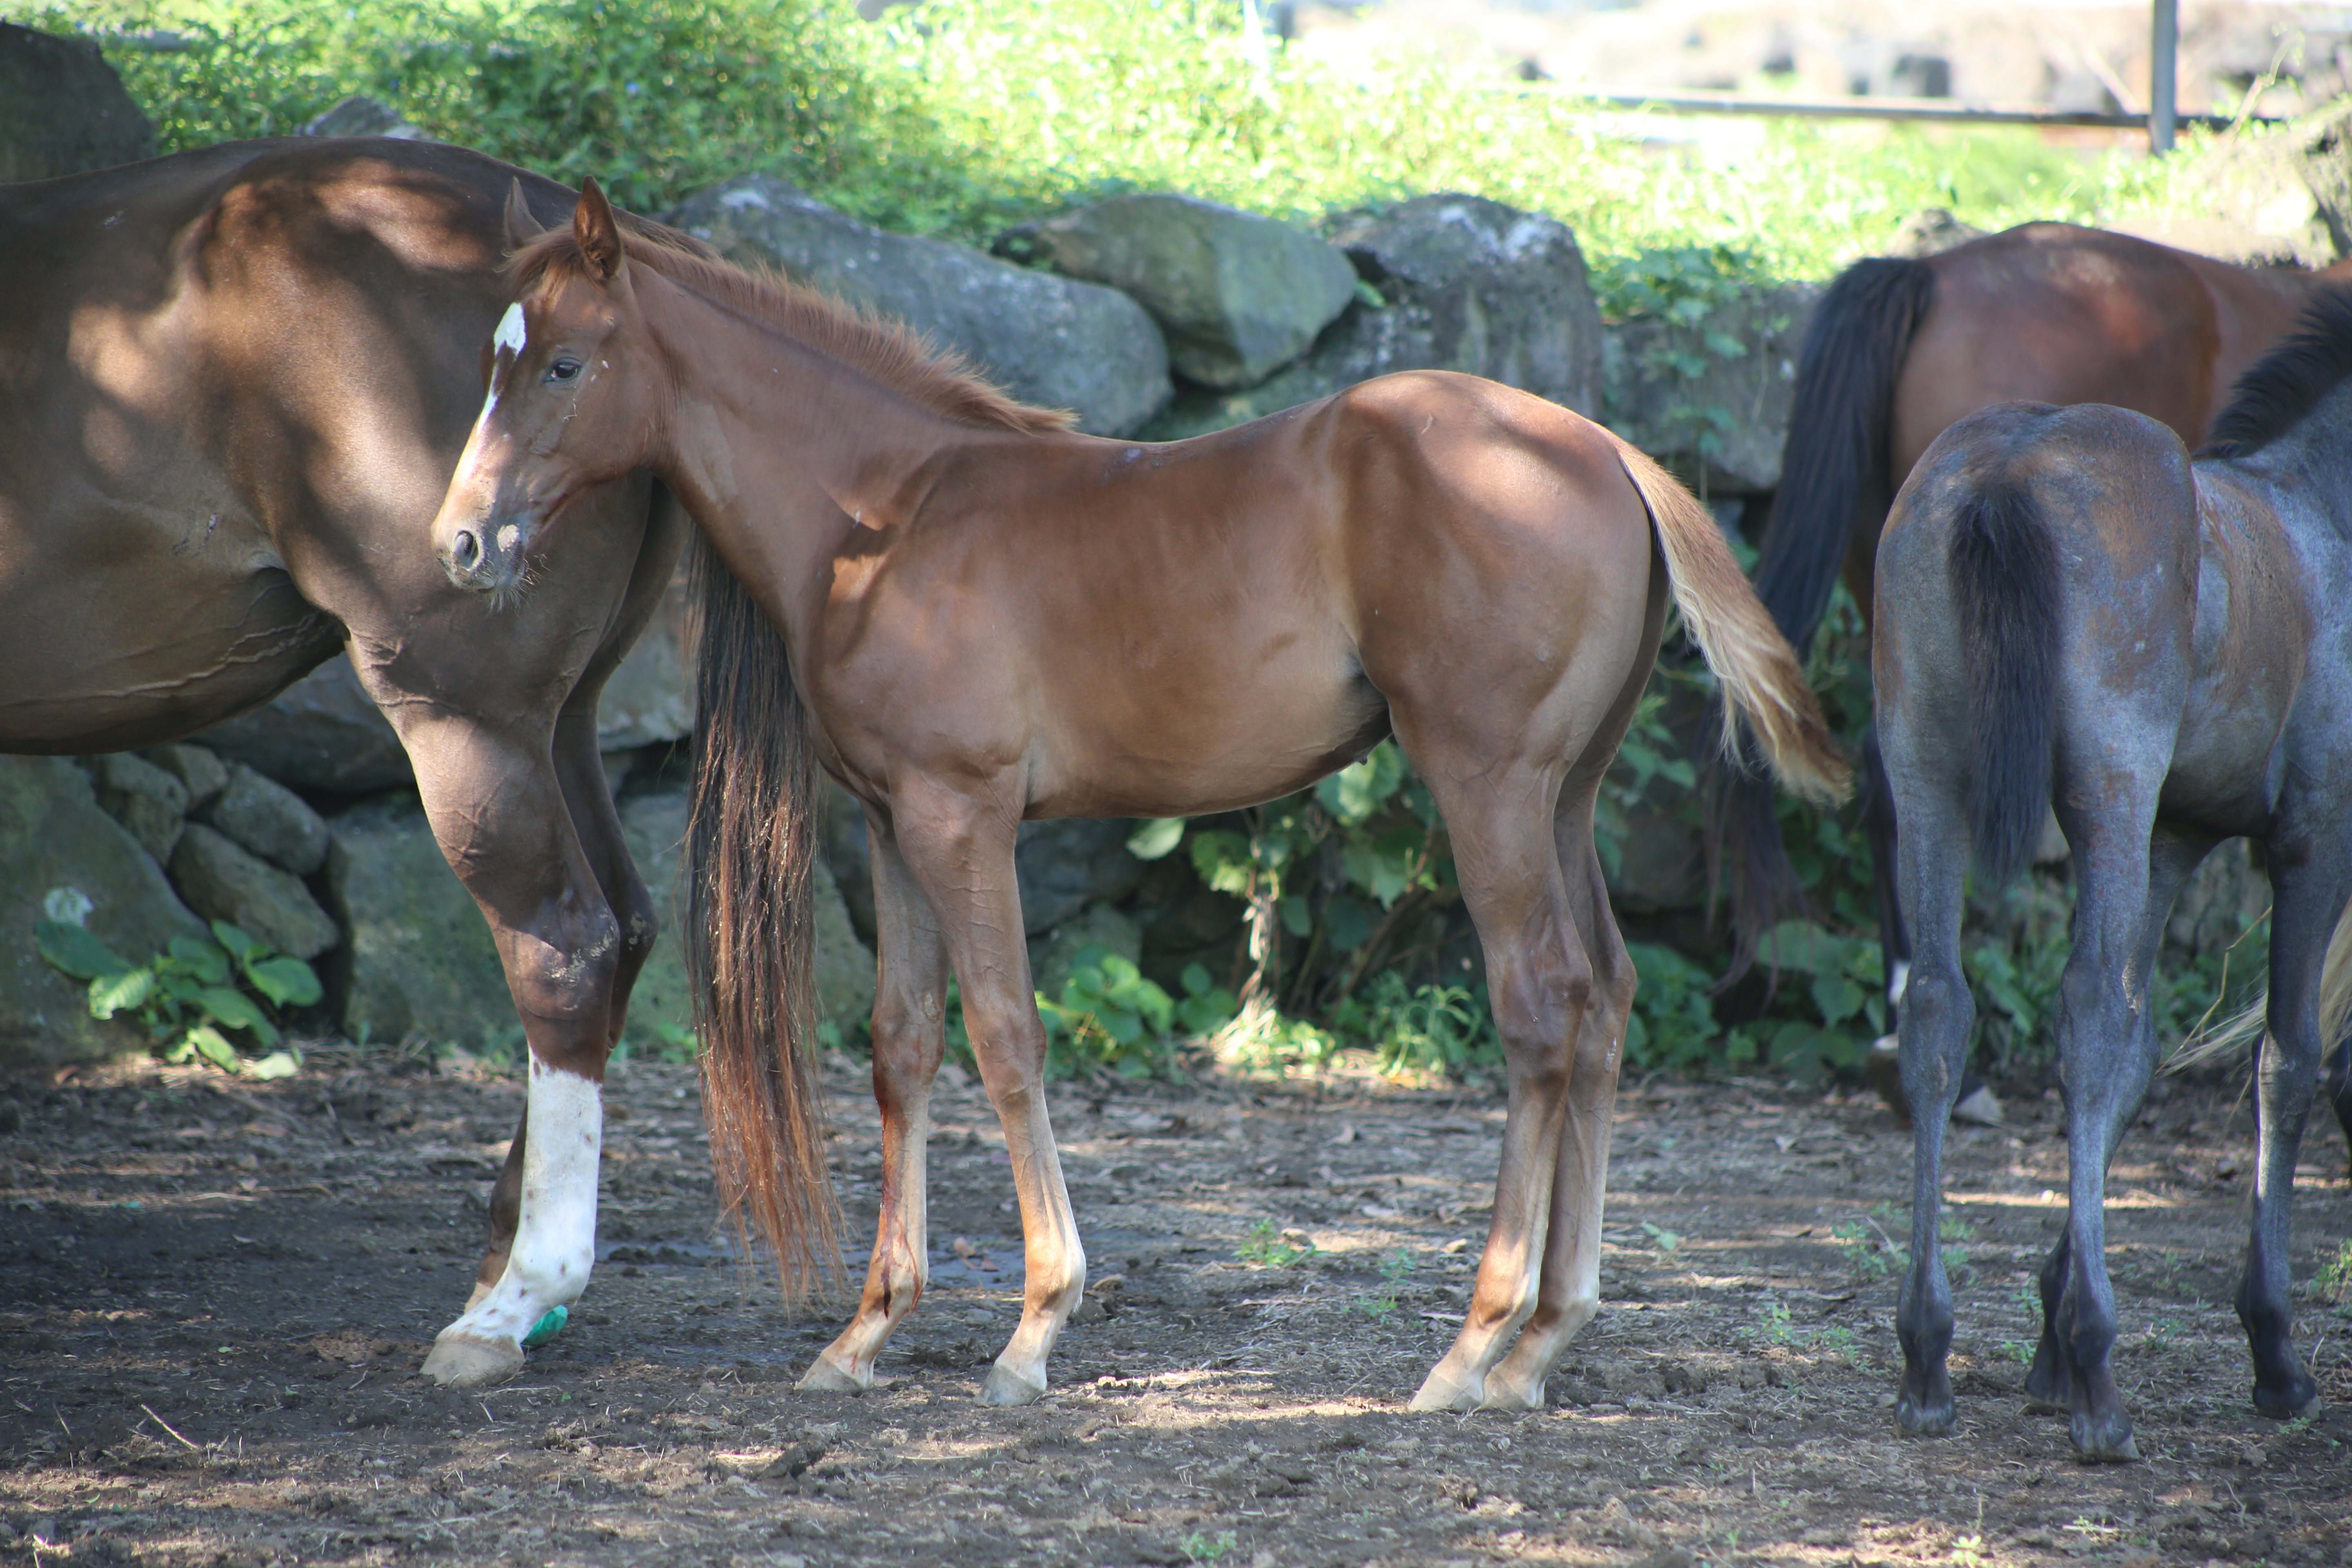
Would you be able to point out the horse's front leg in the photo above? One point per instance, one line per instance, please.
(959, 849)
(580, 771)
(501, 815)
(909, 1037)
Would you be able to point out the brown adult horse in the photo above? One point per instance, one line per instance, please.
(1896, 352)
(985, 618)
(233, 383)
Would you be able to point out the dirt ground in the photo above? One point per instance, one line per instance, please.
(213, 1298)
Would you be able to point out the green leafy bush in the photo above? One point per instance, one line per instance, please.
(193, 996)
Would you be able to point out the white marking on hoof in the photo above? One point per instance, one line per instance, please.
(1006, 1386)
(461, 1361)
(1981, 1108)
(1504, 1394)
(825, 1376)
(555, 1235)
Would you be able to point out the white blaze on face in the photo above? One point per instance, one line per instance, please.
(555, 1239)
(506, 344)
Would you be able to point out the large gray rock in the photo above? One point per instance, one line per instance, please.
(1238, 295)
(1468, 284)
(1722, 429)
(1062, 865)
(420, 954)
(662, 1007)
(1053, 342)
(270, 820)
(1070, 862)
(321, 733)
(150, 802)
(62, 109)
(202, 773)
(223, 881)
(62, 857)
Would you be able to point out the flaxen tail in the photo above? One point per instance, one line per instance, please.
(2005, 585)
(751, 842)
(1759, 671)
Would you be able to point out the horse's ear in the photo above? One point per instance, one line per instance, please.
(522, 228)
(599, 235)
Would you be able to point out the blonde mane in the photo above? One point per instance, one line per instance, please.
(896, 355)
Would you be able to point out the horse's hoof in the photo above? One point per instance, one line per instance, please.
(2300, 1397)
(1439, 1392)
(2104, 1443)
(461, 1361)
(1502, 1394)
(1005, 1386)
(825, 1375)
(1925, 1418)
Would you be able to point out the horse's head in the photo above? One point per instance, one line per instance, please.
(569, 406)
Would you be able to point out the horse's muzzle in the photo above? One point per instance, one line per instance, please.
(483, 559)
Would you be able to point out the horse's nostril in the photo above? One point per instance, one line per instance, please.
(465, 550)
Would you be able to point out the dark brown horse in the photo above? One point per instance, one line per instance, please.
(233, 383)
(969, 616)
(1896, 352)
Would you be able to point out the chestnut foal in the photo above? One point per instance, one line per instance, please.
(969, 616)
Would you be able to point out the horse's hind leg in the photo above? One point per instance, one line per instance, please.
(2049, 1380)
(2128, 873)
(909, 1038)
(1935, 1020)
(1571, 1290)
(1540, 982)
(2306, 899)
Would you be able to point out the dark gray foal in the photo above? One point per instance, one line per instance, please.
(2072, 612)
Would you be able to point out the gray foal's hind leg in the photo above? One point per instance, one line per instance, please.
(1935, 1022)
(2307, 900)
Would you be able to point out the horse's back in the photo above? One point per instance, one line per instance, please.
(2059, 313)
(219, 373)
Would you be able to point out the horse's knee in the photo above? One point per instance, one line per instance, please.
(566, 976)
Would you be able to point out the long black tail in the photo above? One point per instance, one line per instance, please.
(2005, 583)
(1835, 477)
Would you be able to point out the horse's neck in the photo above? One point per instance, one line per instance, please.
(778, 450)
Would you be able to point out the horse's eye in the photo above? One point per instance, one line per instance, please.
(563, 370)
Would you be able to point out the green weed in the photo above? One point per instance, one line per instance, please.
(193, 994)
(1266, 1248)
(1202, 1547)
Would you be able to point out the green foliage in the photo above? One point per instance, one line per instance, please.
(1266, 1247)
(653, 97)
(1442, 1030)
(961, 115)
(1203, 1547)
(2335, 1276)
(1381, 1304)
(193, 994)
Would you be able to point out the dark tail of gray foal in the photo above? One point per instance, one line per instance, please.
(2004, 568)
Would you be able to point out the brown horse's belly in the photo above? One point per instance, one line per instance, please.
(1213, 751)
(75, 677)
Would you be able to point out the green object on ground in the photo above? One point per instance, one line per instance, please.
(547, 1328)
